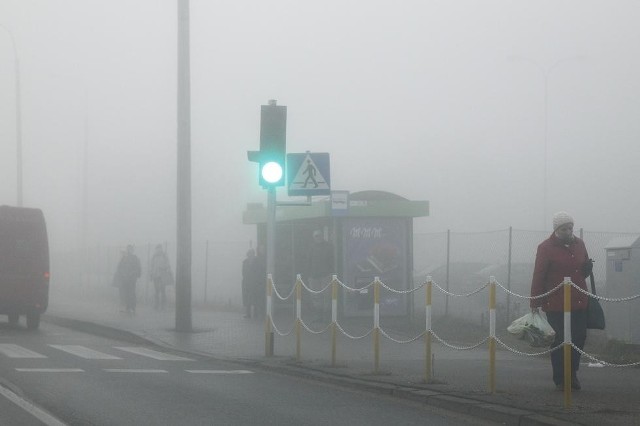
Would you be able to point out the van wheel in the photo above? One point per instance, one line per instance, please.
(33, 320)
(13, 319)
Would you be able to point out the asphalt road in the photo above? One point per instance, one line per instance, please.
(82, 379)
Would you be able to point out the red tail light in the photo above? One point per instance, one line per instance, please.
(46, 275)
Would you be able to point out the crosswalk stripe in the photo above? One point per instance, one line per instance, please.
(15, 351)
(84, 352)
(133, 370)
(50, 370)
(161, 356)
(219, 371)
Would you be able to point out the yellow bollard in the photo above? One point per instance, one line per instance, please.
(334, 318)
(567, 342)
(427, 337)
(492, 334)
(298, 316)
(376, 325)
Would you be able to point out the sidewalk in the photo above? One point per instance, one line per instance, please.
(525, 394)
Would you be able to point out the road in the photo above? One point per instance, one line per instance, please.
(82, 379)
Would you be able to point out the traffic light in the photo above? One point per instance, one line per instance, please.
(273, 144)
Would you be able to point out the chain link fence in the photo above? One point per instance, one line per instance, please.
(459, 262)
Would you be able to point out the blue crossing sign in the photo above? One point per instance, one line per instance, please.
(308, 173)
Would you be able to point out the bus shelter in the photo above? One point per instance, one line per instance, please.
(371, 237)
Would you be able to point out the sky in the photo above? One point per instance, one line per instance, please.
(448, 101)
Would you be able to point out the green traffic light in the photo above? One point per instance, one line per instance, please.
(272, 172)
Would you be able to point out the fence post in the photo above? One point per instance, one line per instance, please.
(508, 319)
(567, 342)
(147, 277)
(268, 333)
(446, 298)
(334, 317)
(427, 336)
(492, 334)
(298, 315)
(376, 324)
(206, 271)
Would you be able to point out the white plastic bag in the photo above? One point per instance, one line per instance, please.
(534, 328)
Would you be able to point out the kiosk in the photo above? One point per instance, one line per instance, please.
(623, 270)
(371, 233)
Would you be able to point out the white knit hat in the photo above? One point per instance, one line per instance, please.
(561, 218)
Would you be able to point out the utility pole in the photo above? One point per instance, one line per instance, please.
(16, 63)
(183, 254)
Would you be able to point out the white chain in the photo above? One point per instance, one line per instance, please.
(460, 295)
(310, 290)
(401, 341)
(515, 351)
(459, 348)
(275, 290)
(402, 291)
(606, 299)
(608, 364)
(278, 332)
(350, 336)
(530, 297)
(462, 348)
(346, 287)
(306, 327)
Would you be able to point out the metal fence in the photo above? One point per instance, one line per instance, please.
(457, 261)
(460, 262)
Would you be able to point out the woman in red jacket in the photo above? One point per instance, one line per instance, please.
(559, 256)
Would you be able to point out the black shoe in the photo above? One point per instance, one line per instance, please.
(575, 383)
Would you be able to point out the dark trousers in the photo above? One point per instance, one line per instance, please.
(578, 338)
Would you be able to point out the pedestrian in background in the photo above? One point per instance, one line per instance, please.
(161, 275)
(559, 256)
(248, 281)
(127, 275)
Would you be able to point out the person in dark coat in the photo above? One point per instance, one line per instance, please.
(248, 281)
(127, 274)
(562, 255)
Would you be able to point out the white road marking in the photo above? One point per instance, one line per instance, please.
(133, 370)
(15, 351)
(84, 352)
(27, 406)
(219, 371)
(50, 370)
(161, 356)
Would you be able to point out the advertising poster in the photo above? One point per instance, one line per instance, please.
(375, 247)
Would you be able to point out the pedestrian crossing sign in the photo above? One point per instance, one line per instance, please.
(308, 174)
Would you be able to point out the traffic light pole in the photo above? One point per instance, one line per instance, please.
(271, 231)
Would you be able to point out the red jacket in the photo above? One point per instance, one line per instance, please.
(554, 261)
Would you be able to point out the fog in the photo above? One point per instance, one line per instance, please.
(446, 101)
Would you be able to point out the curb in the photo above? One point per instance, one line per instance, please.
(477, 408)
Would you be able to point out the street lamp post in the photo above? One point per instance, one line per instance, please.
(16, 63)
(545, 72)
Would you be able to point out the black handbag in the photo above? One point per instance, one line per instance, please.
(595, 314)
